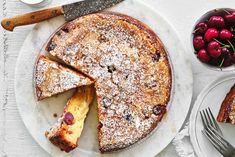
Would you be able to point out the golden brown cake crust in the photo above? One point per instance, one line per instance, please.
(227, 110)
(66, 136)
(130, 66)
(61, 142)
(51, 78)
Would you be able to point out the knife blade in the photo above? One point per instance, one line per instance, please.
(70, 12)
(74, 10)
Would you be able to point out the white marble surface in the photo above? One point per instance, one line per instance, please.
(38, 116)
(15, 140)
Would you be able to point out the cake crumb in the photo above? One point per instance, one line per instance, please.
(55, 115)
(46, 133)
(70, 132)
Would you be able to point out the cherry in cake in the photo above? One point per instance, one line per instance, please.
(66, 133)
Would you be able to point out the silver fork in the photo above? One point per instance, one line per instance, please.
(209, 120)
(223, 146)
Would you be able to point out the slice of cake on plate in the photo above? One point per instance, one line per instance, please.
(66, 132)
(51, 78)
(227, 110)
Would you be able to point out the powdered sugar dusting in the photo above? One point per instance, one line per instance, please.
(232, 113)
(51, 78)
(131, 70)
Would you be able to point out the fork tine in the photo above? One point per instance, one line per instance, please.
(215, 124)
(215, 137)
(212, 141)
(203, 119)
(206, 118)
(209, 117)
(220, 138)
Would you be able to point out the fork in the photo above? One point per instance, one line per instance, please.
(223, 146)
(209, 120)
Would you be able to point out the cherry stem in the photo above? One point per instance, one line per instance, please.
(225, 46)
(232, 29)
(195, 30)
(226, 11)
(220, 42)
(221, 63)
(231, 46)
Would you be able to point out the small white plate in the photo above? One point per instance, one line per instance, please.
(212, 96)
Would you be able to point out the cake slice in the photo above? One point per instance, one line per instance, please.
(51, 78)
(66, 132)
(227, 110)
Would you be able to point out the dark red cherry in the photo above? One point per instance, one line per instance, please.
(230, 17)
(225, 51)
(225, 34)
(203, 56)
(228, 60)
(233, 60)
(68, 118)
(214, 49)
(198, 42)
(216, 22)
(201, 27)
(210, 34)
(232, 57)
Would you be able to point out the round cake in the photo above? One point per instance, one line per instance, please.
(131, 70)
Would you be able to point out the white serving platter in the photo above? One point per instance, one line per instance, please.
(38, 116)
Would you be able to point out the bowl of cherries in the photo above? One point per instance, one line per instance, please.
(213, 39)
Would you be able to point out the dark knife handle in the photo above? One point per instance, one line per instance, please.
(31, 18)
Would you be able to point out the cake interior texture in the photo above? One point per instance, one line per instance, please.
(66, 133)
(227, 110)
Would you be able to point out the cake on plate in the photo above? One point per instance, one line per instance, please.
(52, 78)
(227, 110)
(65, 134)
(131, 70)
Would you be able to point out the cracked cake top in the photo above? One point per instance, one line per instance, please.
(51, 78)
(131, 69)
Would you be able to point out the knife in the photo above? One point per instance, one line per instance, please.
(70, 12)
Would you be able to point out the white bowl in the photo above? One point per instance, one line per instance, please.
(36, 3)
(201, 19)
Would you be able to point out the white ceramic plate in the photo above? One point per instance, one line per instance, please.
(38, 116)
(212, 96)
